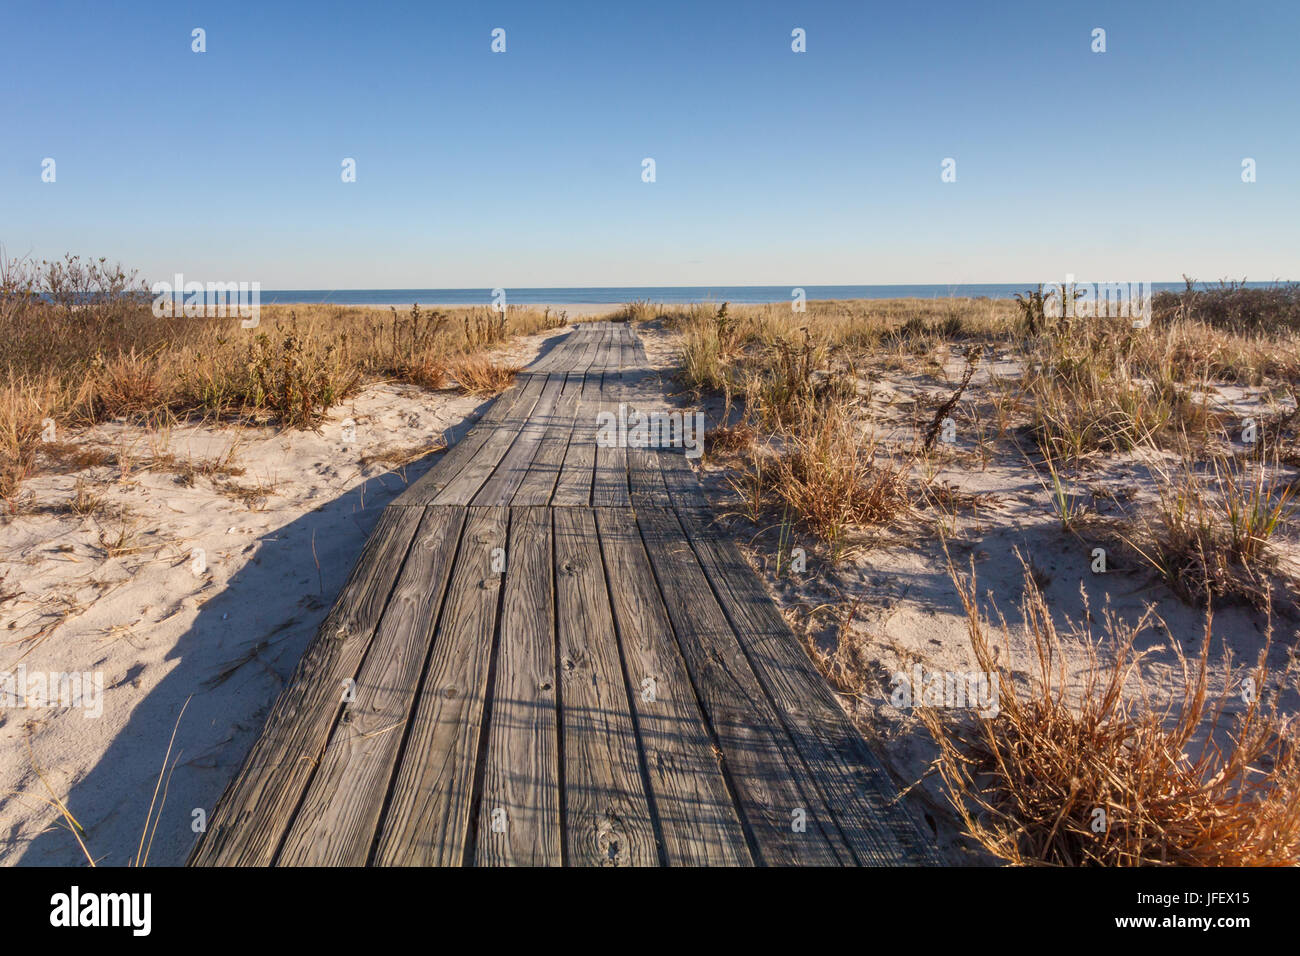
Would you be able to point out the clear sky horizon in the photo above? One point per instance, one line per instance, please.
(524, 168)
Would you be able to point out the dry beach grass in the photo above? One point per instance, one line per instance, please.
(81, 346)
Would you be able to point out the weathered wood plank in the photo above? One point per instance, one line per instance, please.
(252, 816)
(428, 818)
(857, 789)
(610, 482)
(500, 487)
(766, 775)
(577, 474)
(335, 825)
(461, 489)
(610, 486)
(505, 408)
(427, 487)
(645, 478)
(519, 811)
(565, 355)
(539, 483)
(696, 813)
(683, 485)
(607, 816)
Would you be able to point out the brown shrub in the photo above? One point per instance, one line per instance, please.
(1081, 772)
(479, 375)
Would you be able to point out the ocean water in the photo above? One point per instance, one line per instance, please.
(614, 295)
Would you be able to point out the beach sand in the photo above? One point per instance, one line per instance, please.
(575, 310)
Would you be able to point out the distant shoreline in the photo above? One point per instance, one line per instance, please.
(579, 300)
(574, 309)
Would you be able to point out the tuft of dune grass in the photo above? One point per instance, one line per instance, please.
(479, 375)
(1087, 770)
(1210, 535)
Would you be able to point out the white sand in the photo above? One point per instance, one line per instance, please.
(576, 310)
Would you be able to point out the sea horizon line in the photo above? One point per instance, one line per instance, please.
(618, 295)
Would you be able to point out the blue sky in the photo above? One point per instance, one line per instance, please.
(524, 168)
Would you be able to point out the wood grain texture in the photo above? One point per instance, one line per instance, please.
(538, 485)
(454, 460)
(855, 786)
(461, 489)
(696, 813)
(607, 817)
(777, 800)
(519, 812)
(428, 818)
(256, 810)
(610, 483)
(499, 488)
(336, 823)
(645, 476)
(573, 488)
(680, 481)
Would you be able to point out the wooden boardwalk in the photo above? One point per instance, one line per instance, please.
(548, 654)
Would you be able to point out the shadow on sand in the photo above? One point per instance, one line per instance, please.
(230, 665)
